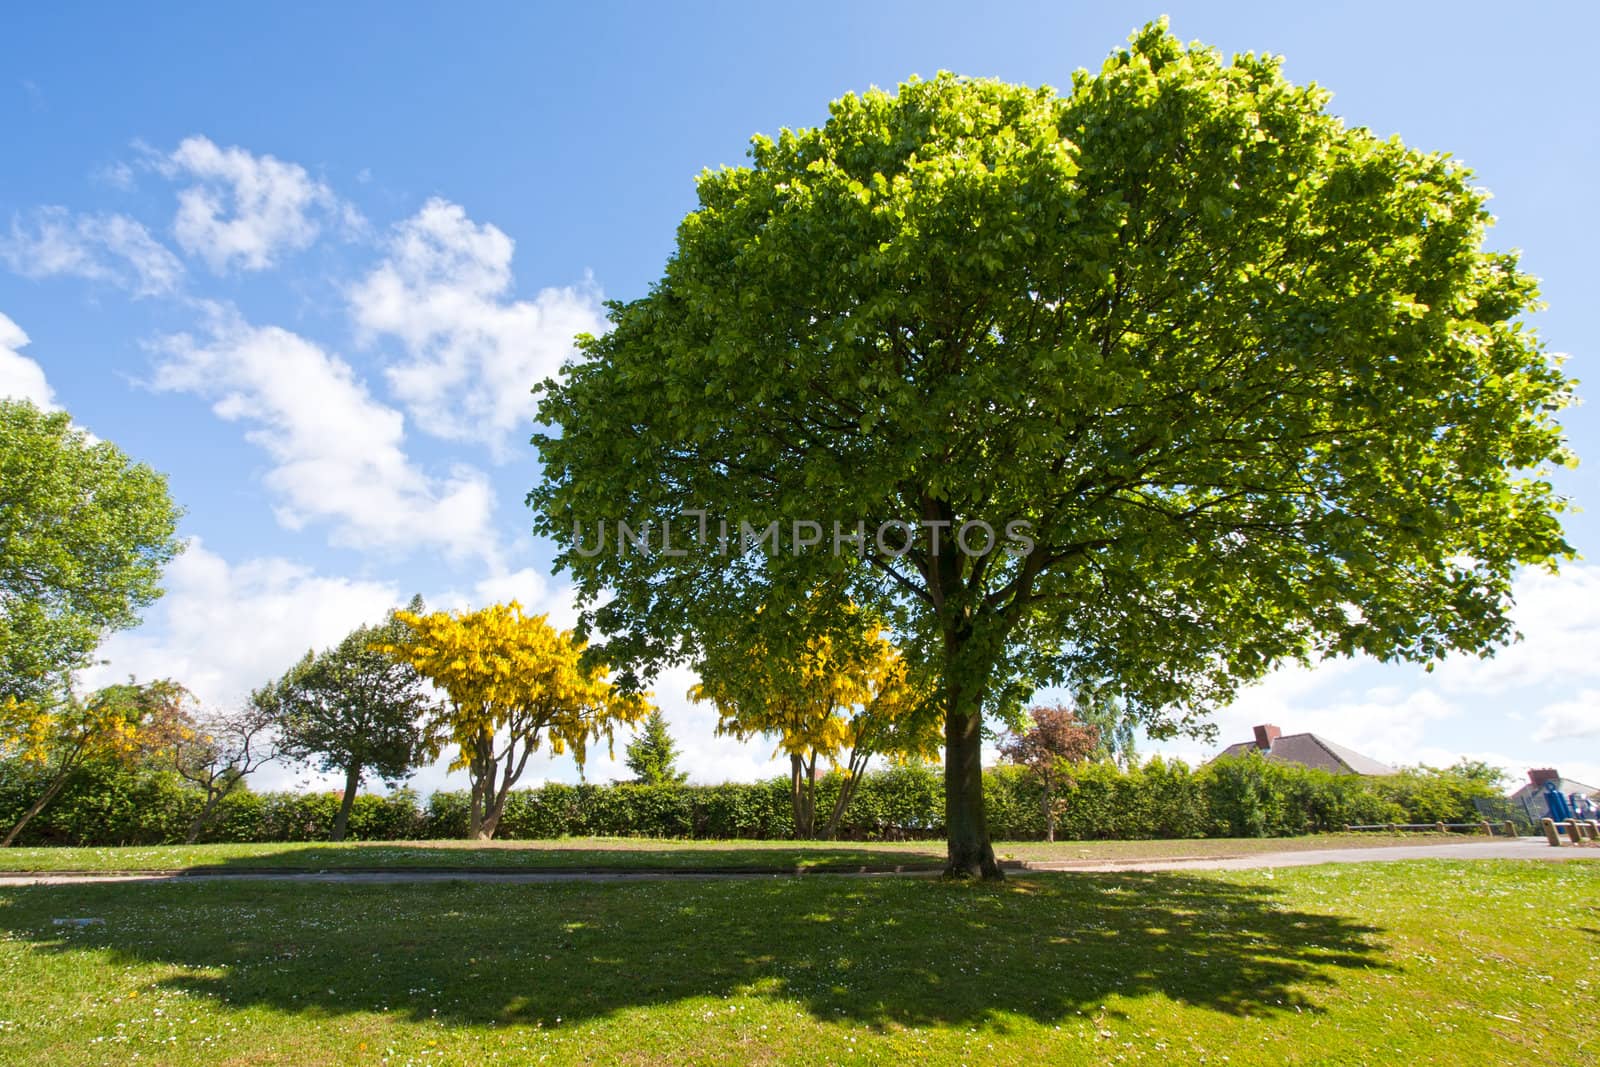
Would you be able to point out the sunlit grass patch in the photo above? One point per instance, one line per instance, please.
(1438, 962)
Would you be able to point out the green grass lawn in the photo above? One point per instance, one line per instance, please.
(1438, 962)
(642, 853)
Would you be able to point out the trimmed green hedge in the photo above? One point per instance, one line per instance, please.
(1237, 797)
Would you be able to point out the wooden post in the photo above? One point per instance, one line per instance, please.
(1550, 833)
(1573, 832)
(1487, 829)
(1439, 827)
(1511, 828)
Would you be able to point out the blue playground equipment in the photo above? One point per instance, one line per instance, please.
(1560, 810)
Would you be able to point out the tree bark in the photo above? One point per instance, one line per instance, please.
(495, 796)
(352, 782)
(491, 818)
(854, 770)
(200, 821)
(481, 772)
(802, 793)
(847, 788)
(475, 815)
(1049, 811)
(965, 823)
(37, 806)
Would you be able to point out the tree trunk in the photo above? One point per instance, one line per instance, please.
(966, 824)
(200, 821)
(496, 795)
(1049, 812)
(491, 818)
(847, 788)
(803, 795)
(352, 782)
(854, 770)
(38, 805)
(475, 813)
(480, 771)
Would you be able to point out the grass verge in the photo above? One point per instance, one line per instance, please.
(1377, 963)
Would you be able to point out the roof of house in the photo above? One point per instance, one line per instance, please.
(1564, 786)
(1309, 750)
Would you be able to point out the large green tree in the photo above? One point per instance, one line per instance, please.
(84, 535)
(356, 709)
(1247, 374)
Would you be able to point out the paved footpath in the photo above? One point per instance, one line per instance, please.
(1501, 848)
(1526, 848)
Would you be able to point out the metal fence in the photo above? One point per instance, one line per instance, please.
(1501, 810)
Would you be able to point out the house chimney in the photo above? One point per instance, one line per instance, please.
(1540, 775)
(1265, 735)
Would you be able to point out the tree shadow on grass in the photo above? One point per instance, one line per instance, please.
(584, 855)
(875, 951)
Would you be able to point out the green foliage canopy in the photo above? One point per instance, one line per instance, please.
(1248, 372)
(84, 535)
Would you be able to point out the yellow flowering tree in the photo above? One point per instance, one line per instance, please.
(840, 692)
(120, 722)
(514, 684)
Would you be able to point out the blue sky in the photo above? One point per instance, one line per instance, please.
(308, 259)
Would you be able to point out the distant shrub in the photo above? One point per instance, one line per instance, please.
(1242, 796)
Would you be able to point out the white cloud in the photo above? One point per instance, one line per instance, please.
(1520, 708)
(1385, 726)
(707, 758)
(1386, 722)
(224, 629)
(1572, 719)
(113, 249)
(1559, 617)
(244, 209)
(530, 589)
(474, 353)
(338, 453)
(20, 377)
(116, 175)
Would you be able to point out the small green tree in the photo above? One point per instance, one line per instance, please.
(354, 709)
(84, 535)
(1478, 771)
(653, 755)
